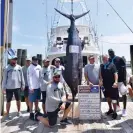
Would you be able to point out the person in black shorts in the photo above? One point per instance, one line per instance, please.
(55, 101)
(13, 82)
(109, 79)
(26, 90)
(121, 69)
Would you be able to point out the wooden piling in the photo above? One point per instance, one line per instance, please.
(131, 56)
(24, 55)
(19, 55)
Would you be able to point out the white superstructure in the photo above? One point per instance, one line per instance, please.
(59, 42)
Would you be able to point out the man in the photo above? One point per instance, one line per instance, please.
(26, 90)
(121, 68)
(59, 68)
(34, 85)
(91, 72)
(55, 101)
(46, 78)
(13, 82)
(109, 79)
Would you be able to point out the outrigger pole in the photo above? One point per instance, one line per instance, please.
(119, 16)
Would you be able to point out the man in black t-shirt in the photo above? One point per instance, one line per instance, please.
(109, 80)
(121, 68)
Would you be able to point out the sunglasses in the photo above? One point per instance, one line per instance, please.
(57, 61)
(57, 77)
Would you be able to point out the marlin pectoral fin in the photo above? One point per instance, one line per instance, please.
(81, 15)
(64, 14)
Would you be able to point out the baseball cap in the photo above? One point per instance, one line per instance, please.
(13, 57)
(57, 59)
(46, 60)
(56, 74)
(91, 56)
(34, 58)
(28, 58)
(110, 50)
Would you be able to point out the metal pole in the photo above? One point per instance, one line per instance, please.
(72, 6)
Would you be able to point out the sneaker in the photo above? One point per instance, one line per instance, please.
(114, 115)
(45, 115)
(31, 116)
(7, 117)
(109, 112)
(65, 122)
(118, 109)
(124, 113)
(19, 114)
(36, 115)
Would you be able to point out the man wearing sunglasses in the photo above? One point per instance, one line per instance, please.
(55, 101)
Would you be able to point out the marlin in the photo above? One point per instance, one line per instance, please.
(74, 62)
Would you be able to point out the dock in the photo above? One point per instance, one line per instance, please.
(105, 125)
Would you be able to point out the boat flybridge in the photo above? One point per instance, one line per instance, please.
(58, 45)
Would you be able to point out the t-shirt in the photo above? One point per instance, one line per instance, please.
(24, 69)
(93, 73)
(107, 74)
(33, 76)
(54, 95)
(46, 76)
(60, 70)
(121, 68)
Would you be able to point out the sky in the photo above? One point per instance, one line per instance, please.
(30, 23)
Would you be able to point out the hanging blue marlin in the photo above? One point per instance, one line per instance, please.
(74, 63)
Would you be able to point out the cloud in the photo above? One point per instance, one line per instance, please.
(120, 43)
(15, 28)
(122, 38)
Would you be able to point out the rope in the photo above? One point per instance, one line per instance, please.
(119, 16)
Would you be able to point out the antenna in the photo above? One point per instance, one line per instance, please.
(72, 6)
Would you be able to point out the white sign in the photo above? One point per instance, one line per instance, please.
(73, 49)
(89, 102)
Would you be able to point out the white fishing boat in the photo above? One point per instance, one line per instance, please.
(58, 40)
(58, 47)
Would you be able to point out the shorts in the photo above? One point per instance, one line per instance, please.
(35, 95)
(10, 92)
(111, 92)
(26, 91)
(122, 88)
(52, 116)
(43, 97)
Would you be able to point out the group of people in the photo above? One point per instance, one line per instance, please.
(36, 81)
(48, 82)
(113, 79)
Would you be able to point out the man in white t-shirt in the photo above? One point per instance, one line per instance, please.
(33, 76)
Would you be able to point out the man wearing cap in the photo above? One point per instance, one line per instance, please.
(55, 101)
(33, 76)
(13, 82)
(26, 90)
(121, 69)
(46, 74)
(59, 68)
(91, 72)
